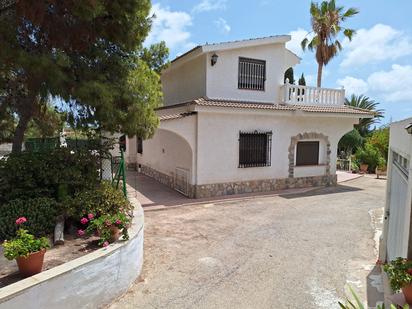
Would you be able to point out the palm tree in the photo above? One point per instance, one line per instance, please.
(365, 102)
(326, 20)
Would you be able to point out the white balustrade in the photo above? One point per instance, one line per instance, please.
(305, 95)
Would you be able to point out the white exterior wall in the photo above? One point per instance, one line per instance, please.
(218, 145)
(185, 82)
(222, 78)
(171, 147)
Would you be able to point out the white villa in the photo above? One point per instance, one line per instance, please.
(230, 125)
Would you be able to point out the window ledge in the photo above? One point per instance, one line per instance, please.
(313, 165)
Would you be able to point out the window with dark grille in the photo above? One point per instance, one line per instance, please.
(139, 145)
(307, 153)
(252, 74)
(255, 149)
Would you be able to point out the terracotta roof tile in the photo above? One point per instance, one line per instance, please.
(342, 109)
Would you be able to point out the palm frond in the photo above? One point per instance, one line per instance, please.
(304, 43)
(365, 102)
(349, 33)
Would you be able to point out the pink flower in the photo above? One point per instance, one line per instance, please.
(118, 222)
(108, 223)
(84, 221)
(80, 233)
(90, 216)
(21, 220)
(105, 244)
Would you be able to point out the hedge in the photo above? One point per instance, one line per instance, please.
(39, 212)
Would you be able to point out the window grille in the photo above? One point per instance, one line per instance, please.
(401, 162)
(252, 74)
(307, 153)
(255, 149)
(139, 145)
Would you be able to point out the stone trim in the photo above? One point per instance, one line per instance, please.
(267, 185)
(307, 136)
(158, 176)
(167, 180)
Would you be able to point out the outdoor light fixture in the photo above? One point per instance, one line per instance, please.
(408, 128)
(213, 60)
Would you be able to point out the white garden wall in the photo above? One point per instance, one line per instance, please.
(91, 281)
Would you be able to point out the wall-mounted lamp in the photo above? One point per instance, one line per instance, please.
(213, 59)
(408, 128)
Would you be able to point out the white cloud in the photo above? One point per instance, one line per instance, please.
(379, 43)
(297, 36)
(171, 27)
(209, 5)
(394, 85)
(223, 26)
(353, 85)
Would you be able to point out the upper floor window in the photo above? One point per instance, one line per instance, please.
(307, 153)
(252, 74)
(255, 149)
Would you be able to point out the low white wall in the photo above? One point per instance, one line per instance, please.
(91, 281)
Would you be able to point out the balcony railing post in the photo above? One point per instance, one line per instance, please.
(296, 94)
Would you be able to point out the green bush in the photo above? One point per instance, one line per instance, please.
(102, 200)
(369, 155)
(47, 174)
(40, 213)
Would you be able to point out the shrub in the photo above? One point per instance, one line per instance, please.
(102, 200)
(40, 213)
(369, 155)
(47, 174)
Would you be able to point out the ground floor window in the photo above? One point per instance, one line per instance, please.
(255, 149)
(139, 145)
(307, 153)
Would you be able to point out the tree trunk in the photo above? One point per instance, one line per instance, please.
(320, 69)
(19, 133)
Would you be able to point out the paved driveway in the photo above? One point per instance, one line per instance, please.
(288, 251)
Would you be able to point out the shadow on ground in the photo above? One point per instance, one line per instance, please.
(154, 195)
(321, 191)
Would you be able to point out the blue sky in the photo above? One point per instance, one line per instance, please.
(378, 62)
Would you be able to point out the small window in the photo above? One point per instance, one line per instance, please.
(139, 145)
(255, 149)
(307, 153)
(252, 74)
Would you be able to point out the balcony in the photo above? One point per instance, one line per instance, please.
(305, 95)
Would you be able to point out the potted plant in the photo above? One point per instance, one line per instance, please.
(108, 227)
(27, 250)
(400, 276)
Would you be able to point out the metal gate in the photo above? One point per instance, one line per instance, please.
(182, 181)
(398, 229)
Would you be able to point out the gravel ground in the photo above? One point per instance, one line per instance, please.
(291, 251)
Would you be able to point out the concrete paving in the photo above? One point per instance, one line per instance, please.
(294, 250)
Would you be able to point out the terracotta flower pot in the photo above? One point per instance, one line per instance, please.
(32, 264)
(116, 233)
(364, 168)
(407, 292)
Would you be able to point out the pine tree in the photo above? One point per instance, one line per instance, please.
(87, 55)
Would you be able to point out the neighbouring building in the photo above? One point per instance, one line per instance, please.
(231, 125)
(396, 239)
